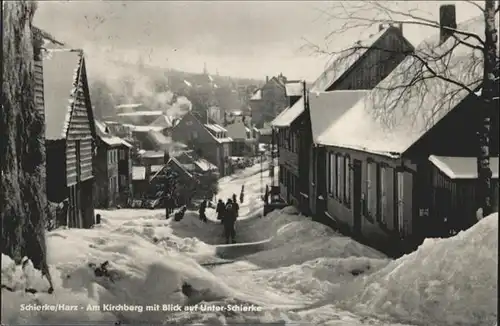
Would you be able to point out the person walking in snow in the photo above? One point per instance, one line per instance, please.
(229, 220)
(242, 194)
(203, 207)
(220, 210)
(236, 206)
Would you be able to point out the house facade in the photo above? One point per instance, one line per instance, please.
(398, 180)
(368, 63)
(269, 100)
(210, 141)
(70, 135)
(112, 169)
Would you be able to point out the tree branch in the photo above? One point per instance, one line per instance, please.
(389, 19)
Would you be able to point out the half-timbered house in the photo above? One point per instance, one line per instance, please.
(69, 134)
(360, 67)
(399, 171)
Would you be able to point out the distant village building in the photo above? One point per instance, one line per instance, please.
(269, 100)
(112, 169)
(70, 135)
(209, 140)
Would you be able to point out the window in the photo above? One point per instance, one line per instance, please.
(382, 194)
(347, 181)
(331, 173)
(122, 154)
(281, 175)
(110, 184)
(371, 190)
(339, 169)
(123, 180)
(400, 201)
(109, 157)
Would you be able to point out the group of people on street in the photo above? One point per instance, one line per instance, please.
(228, 213)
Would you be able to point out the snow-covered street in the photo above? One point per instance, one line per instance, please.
(292, 269)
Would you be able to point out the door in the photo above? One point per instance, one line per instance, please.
(443, 210)
(356, 190)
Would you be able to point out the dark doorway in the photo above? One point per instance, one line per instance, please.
(356, 209)
(443, 210)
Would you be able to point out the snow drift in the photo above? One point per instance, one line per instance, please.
(450, 281)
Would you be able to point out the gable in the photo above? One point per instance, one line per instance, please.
(60, 75)
(81, 122)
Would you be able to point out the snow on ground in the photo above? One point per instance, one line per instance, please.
(296, 270)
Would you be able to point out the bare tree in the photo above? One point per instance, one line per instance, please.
(437, 75)
(23, 201)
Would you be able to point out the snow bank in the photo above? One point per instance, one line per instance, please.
(445, 282)
(299, 239)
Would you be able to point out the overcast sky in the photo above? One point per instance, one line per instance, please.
(237, 38)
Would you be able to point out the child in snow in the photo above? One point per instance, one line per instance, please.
(178, 215)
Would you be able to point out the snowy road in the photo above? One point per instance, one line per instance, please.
(296, 270)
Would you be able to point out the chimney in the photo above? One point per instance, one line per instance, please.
(400, 26)
(380, 27)
(267, 79)
(447, 18)
(166, 157)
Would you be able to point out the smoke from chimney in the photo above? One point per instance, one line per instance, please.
(447, 18)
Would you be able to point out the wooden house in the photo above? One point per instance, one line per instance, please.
(112, 169)
(361, 68)
(269, 100)
(210, 141)
(184, 185)
(69, 135)
(245, 139)
(400, 171)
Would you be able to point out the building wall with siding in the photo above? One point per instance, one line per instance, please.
(371, 226)
(79, 130)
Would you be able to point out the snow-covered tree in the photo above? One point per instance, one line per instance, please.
(465, 63)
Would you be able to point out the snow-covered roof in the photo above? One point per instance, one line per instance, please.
(327, 107)
(156, 168)
(215, 127)
(340, 64)
(170, 161)
(205, 165)
(107, 138)
(285, 118)
(60, 73)
(164, 121)
(461, 167)
(138, 173)
(129, 106)
(152, 154)
(293, 88)
(342, 61)
(144, 128)
(257, 95)
(140, 113)
(391, 118)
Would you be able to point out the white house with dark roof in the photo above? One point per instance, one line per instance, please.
(401, 162)
(70, 134)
